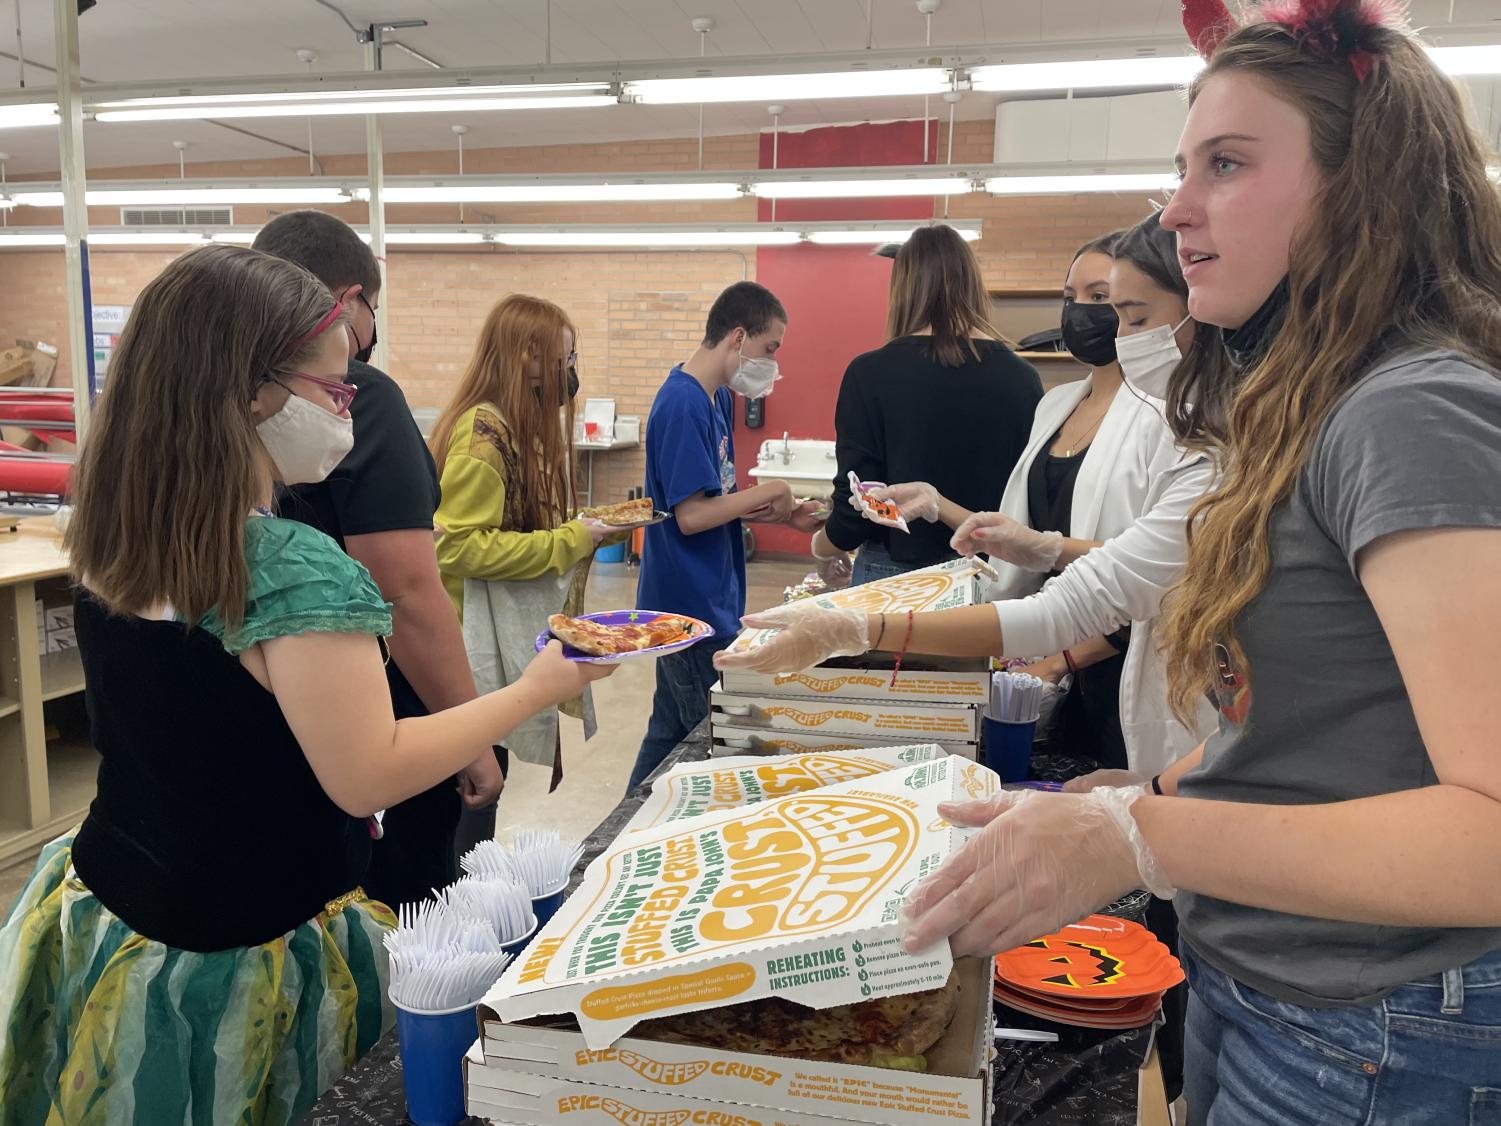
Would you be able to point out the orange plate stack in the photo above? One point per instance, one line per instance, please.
(1098, 973)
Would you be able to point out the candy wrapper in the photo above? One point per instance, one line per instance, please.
(883, 512)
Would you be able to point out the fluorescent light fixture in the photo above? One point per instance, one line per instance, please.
(854, 189)
(50, 239)
(28, 115)
(190, 197)
(1086, 74)
(1467, 62)
(326, 103)
(647, 239)
(149, 238)
(855, 237)
(433, 238)
(562, 193)
(789, 87)
(1068, 185)
(237, 238)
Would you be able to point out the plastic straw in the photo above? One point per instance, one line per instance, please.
(1015, 697)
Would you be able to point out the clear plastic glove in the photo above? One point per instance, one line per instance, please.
(836, 571)
(1004, 538)
(806, 635)
(1097, 778)
(918, 500)
(1041, 861)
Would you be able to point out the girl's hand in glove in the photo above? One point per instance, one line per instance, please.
(917, 500)
(1041, 861)
(1004, 538)
(1097, 778)
(806, 636)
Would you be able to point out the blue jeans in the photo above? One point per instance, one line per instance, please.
(680, 704)
(1429, 1053)
(874, 562)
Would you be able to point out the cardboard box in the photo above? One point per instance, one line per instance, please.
(541, 1076)
(911, 721)
(746, 741)
(943, 587)
(695, 788)
(929, 679)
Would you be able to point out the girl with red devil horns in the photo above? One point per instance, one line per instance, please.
(1335, 848)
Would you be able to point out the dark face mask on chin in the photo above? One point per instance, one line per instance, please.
(364, 354)
(573, 386)
(1089, 329)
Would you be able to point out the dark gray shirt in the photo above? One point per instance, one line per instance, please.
(1320, 713)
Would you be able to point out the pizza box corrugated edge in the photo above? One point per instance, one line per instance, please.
(692, 789)
(743, 741)
(559, 1080)
(914, 682)
(911, 721)
(967, 588)
(831, 936)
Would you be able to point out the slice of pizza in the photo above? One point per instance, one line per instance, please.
(600, 640)
(626, 512)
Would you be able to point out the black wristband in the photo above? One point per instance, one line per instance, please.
(1157, 786)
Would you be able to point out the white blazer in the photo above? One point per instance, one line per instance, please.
(1133, 492)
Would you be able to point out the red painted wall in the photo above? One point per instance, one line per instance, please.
(835, 296)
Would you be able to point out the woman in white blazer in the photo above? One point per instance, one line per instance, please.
(1133, 492)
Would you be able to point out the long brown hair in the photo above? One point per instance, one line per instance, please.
(172, 467)
(936, 285)
(1402, 244)
(537, 448)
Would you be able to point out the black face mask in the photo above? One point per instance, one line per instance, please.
(364, 354)
(573, 382)
(1248, 343)
(1089, 329)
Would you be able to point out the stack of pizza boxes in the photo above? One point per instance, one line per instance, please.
(864, 701)
(795, 897)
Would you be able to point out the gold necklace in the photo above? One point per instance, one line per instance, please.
(1077, 442)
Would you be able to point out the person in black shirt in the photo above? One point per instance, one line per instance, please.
(944, 400)
(378, 505)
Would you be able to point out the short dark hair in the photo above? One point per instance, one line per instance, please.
(324, 246)
(744, 305)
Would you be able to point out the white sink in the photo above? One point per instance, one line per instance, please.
(807, 464)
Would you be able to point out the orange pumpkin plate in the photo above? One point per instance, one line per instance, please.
(1099, 958)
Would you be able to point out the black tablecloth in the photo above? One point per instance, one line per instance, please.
(1087, 1077)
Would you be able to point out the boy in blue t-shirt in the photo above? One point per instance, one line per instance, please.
(694, 564)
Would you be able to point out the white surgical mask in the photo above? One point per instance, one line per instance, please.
(754, 378)
(1148, 358)
(306, 442)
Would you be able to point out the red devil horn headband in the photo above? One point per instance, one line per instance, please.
(1340, 30)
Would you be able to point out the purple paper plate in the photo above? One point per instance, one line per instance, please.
(697, 632)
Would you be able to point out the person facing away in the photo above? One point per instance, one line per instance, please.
(694, 564)
(200, 949)
(944, 400)
(378, 505)
(509, 547)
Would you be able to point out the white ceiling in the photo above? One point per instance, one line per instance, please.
(131, 40)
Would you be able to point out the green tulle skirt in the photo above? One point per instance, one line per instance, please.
(100, 1026)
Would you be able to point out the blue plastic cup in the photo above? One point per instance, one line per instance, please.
(1007, 747)
(611, 553)
(518, 944)
(545, 906)
(432, 1062)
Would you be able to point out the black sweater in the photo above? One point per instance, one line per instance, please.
(903, 416)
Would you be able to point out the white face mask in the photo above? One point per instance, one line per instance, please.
(1148, 358)
(306, 442)
(754, 378)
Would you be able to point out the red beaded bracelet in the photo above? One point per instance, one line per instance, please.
(902, 652)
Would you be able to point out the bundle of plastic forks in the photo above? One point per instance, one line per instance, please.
(544, 859)
(441, 959)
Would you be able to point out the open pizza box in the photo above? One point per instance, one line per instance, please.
(911, 720)
(692, 789)
(744, 742)
(795, 897)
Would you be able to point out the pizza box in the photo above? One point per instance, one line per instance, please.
(696, 788)
(952, 680)
(759, 742)
(911, 721)
(946, 586)
(534, 1075)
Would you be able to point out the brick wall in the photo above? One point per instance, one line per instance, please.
(637, 313)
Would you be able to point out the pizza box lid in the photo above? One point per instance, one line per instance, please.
(796, 897)
(944, 586)
(692, 789)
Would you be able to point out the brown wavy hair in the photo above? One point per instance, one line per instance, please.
(171, 467)
(538, 451)
(936, 285)
(1401, 246)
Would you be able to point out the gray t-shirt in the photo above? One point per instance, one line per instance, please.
(1320, 713)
